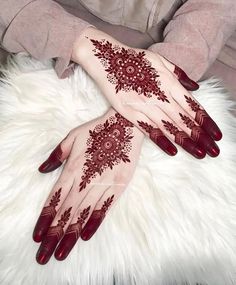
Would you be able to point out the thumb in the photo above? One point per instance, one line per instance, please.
(58, 155)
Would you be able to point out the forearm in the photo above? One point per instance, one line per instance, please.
(196, 34)
(41, 28)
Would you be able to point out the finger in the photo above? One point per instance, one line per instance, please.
(198, 135)
(58, 155)
(63, 219)
(157, 136)
(52, 237)
(101, 209)
(49, 211)
(80, 217)
(175, 133)
(187, 83)
(195, 110)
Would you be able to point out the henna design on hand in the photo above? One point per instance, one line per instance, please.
(182, 139)
(96, 219)
(198, 135)
(46, 217)
(157, 136)
(203, 119)
(129, 70)
(108, 145)
(71, 236)
(53, 236)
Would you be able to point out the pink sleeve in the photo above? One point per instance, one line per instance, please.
(196, 34)
(42, 28)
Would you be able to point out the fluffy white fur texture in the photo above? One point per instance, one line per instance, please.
(175, 223)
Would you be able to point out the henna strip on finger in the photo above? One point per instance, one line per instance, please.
(129, 70)
(46, 217)
(204, 120)
(96, 219)
(157, 136)
(198, 135)
(109, 144)
(71, 236)
(183, 78)
(182, 139)
(52, 238)
(53, 161)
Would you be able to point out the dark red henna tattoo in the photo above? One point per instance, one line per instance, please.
(108, 145)
(182, 139)
(188, 83)
(204, 120)
(53, 162)
(96, 219)
(129, 70)
(52, 238)
(157, 136)
(198, 135)
(71, 236)
(46, 217)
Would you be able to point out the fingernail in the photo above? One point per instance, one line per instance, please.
(49, 166)
(66, 244)
(42, 257)
(213, 151)
(199, 152)
(38, 235)
(171, 150)
(217, 135)
(62, 252)
(47, 248)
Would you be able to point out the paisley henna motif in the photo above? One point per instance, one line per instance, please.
(96, 219)
(129, 70)
(53, 236)
(182, 139)
(71, 236)
(203, 119)
(108, 145)
(46, 217)
(157, 136)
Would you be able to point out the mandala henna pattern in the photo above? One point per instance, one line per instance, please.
(108, 145)
(129, 70)
(46, 217)
(96, 219)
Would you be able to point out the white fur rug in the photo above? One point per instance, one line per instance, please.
(175, 224)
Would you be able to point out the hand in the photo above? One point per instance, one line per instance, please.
(150, 92)
(101, 157)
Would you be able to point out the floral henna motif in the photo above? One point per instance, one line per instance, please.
(96, 219)
(157, 136)
(46, 217)
(71, 236)
(203, 119)
(53, 236)
(129, 70)
(196, 131)
(108, 145)
(182, 139)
